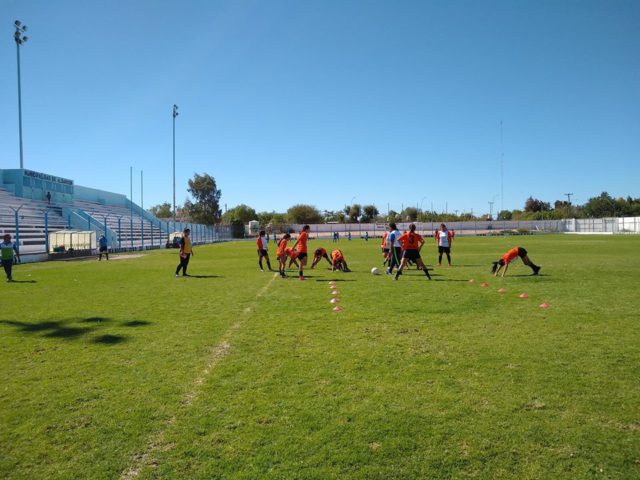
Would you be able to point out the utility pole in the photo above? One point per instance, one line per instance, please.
(568, 197)
(175, 114)
(20, 39)
(491, 210)
(501, 169)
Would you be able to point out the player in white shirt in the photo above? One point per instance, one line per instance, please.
(444, 239)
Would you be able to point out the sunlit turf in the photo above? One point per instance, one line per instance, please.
(118, 369)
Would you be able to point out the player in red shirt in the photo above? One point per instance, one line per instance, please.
(318, 255)
(301, 247)
(511, 256)
(411, 243)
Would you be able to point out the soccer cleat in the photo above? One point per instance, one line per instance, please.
(177, 275)
(536, 270)
(261, 270)
(301, 278)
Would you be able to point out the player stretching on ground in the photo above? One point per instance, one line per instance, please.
(395, 250)
(293, 254)
(263, 249)
(444, 238)
(509, 257)
(281, 253)
(338, 262)
(301, 247)
(318, 255)
(411, 244)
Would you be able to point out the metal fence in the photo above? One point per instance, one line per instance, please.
(626, 225)
(31, 229)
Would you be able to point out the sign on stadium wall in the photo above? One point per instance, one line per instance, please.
(45, 176)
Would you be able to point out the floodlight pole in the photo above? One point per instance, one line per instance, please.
(20, 39)
(175, 114)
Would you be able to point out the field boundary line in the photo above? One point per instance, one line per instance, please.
(157, 442)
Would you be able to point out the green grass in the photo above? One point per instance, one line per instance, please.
(119, 368)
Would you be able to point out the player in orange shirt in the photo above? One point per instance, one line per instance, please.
(411, 243)
(338, 262)
(293, 254)
(282, 253)
(301, 247)
(385, 248)
(318, 255)
(509, 257)
(263, 249)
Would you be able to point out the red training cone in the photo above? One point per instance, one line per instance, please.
(524, 295)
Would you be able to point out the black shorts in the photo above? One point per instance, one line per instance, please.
(385, 250)
(411, 254)
(444, 249)
(103, 249)
(522, 252)
(301, 256)
(318, 253)
(263, 253)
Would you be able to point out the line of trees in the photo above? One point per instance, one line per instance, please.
(204, 207)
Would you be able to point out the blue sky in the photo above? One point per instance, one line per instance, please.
(283, 102)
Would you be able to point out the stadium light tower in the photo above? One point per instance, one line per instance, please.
(175, 114)
(20, 38)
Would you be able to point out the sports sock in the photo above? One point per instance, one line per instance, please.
(260, 263)
(268, 265)
(300, 273)
(426, 272)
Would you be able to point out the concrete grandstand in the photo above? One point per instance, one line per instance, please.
(35, 204)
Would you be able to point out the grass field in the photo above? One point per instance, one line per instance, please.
(119, 370)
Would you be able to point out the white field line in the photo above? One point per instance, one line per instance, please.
(157, 442)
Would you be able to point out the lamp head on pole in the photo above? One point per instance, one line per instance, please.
(175, 111)
(18, 35)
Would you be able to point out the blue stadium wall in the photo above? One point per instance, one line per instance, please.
(35, 185)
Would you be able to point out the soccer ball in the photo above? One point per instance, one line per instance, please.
(375, 271)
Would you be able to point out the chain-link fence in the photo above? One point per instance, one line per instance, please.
(627, 225)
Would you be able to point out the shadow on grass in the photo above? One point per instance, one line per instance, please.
(136, 323)
(23, 281)
(331, 280)
(64, 329)
(529, 275)
(110, 339)
(204, 276)
(449, 280)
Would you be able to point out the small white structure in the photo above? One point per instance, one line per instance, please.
(253, 227)
(64, 240)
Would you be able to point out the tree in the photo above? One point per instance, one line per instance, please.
(161, 211)
(601, 206)
(241, 213)
(354, 212)
(370, 213)
(410, 214)
(535, 205)
(206, 208)
(505, 215)
(301, 213)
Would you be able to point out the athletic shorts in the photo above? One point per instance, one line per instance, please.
(522, 252)
(302, 255)
(411, 254)
(385, 250)
(444, 249)
(103, 249)
(318, 253)
(263, 253)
